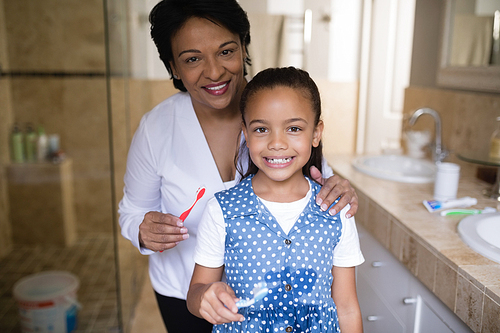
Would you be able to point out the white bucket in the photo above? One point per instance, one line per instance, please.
(47, 302)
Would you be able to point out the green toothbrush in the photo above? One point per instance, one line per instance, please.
(449, 212)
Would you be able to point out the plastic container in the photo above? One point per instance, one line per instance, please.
(446, 183)
(31, 139)
(47, 302)
(17, 144)
(495, 142)
(42, 149)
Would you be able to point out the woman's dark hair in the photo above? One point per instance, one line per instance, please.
(169, 16)
(289, 77)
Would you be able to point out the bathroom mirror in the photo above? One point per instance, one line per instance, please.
(470, 47)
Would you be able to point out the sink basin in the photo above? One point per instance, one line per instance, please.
(398, 168)
(482, 234)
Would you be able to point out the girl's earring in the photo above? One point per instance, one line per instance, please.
(176, 77)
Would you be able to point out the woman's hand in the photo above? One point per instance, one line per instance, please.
(159, 232)
(335, 187)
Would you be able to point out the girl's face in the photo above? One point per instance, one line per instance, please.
(280, 132)
(209, 59)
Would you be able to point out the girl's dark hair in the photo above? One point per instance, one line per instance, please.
(289, 77)
(169, 16)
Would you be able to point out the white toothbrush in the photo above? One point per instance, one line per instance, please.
(259, 292)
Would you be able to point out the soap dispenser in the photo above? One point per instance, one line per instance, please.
(495, 142)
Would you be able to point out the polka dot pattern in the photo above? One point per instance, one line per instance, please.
(297, 267)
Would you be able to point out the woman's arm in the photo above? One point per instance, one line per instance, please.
(346, 299)
(334, 187)
(211, 299)
(140, 218)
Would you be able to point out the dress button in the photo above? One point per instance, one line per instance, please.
(288, 287)
(288, 242)
(289, 329)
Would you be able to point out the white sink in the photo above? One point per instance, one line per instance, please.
(482, 233)
(398, 168)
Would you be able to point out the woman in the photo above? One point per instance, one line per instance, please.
(190, 140)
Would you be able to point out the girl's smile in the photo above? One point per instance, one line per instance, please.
(278, 162)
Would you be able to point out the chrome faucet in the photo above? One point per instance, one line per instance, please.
(439, 153)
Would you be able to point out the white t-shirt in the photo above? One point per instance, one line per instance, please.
(210, 247)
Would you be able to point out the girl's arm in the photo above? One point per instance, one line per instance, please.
(211, 299)
(346, 299)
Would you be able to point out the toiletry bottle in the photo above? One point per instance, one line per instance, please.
(30, 143)
(42, 148)
(17, 148)
(495, 142)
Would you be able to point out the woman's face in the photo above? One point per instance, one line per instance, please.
(209, 59)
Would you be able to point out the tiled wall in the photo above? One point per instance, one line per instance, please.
(468, 118)
(56, 72)
(5, 121)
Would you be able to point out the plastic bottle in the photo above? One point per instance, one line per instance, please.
(42, 148)
(495, 142)
(17, 146)
(30, 143)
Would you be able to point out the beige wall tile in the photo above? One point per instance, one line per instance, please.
(491, 316)
(378, 223)
(493, 291)
(468, 118)
(397, 239)
(469, 303)
(409, 256)
(426, 266)
(4, 59)
(5, 128)
(362, 213)
(445, 286)
(56, 35)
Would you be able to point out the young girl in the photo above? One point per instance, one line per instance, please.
(269, 229)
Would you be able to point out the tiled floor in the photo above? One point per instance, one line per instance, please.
(92, 259)
(147, 317)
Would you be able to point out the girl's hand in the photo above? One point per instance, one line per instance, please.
(218, 304)
(334, 187)
(159, 232)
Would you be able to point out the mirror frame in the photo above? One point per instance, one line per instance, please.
(485, 79)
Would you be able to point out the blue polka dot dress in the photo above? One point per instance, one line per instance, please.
(296, 267)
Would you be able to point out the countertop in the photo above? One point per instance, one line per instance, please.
(428, 244)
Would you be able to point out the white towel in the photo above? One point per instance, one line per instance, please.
(471, 40)
(268, 45)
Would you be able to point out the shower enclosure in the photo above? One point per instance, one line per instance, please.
(64, 67)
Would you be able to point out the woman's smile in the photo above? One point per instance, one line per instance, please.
(217, 89)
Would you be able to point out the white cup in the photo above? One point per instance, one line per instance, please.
(446, 184)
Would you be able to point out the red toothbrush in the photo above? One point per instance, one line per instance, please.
(199, 195)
